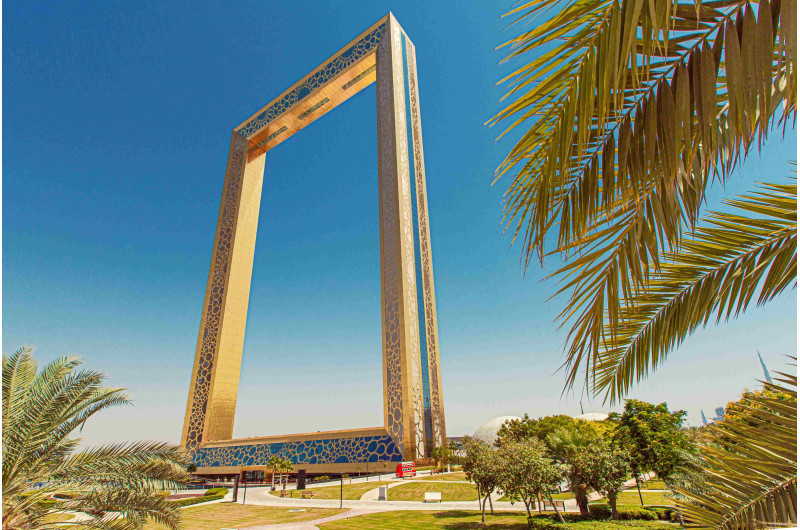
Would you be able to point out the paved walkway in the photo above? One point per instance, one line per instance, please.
(368, 503)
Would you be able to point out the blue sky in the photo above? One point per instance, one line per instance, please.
(116, 124)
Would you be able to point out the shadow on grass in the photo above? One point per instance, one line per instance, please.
(492, 521)
(453, 514)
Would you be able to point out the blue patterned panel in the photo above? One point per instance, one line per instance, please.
(336, 66)
(329, 451)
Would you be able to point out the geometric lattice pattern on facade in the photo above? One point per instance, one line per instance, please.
(413, 405)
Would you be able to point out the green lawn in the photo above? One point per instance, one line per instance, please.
(654, 485)
(230, 515)
(556, 496)
(351, 492)
(454, 519)
(58, 518)
(656, 498)
(449, 477)
(458, 519)
(415, 491)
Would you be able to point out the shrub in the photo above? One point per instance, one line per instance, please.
(539, 523)
(321, 478)
(216, 491)
(198, 500)
(608, 525)
(628, 513)
(600, 511)
(625, 512)
(662, 512)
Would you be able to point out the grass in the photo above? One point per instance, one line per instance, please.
(462, 519)
(567, 495)
(649, 497)
(455, 519)
(630, 496)
(655, 498)
(351, 492)
(415, 491)
(447, 477)
(655, 485)
(58, 518)
(230, 515)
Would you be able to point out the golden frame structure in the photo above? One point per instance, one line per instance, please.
(412, 387)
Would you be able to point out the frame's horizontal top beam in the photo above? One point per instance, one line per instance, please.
(342, 75)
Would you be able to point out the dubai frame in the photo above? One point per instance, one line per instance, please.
(412, 386)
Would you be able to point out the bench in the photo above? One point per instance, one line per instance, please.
(308, 494)
(549, 504)
(284, 493)
(431, 496)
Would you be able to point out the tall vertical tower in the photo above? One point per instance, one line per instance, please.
(413, 408)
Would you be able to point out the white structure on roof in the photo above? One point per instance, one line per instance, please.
(592, 416)
(487, 433)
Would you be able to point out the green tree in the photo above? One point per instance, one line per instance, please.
(115, 486)
(527, 474)
(630, 111)
(482, 468)
(607, 469)
(652, 435)
(566, 446)
(443, 455)
(528, 428)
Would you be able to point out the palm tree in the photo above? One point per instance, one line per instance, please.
(273, 464)
(285, 466)
(631, 110)
(747, 476)
(116, 486)
(566, 446)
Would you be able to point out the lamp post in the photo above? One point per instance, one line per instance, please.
(341, 490)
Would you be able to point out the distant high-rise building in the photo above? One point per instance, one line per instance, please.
(764, 367)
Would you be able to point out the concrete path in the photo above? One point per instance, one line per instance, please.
(369, 504)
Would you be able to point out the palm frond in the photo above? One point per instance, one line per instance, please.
(716, 275)
(117, 485)
(750, 473)
(629, 113)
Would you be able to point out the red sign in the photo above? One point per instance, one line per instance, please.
(406, 469)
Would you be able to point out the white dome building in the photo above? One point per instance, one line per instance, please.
(487, 433)
(592, 416)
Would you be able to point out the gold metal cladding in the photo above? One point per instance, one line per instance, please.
(344, 74)
(426, 261)
(376, 55)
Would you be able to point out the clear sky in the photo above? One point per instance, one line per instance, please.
(116, 126)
